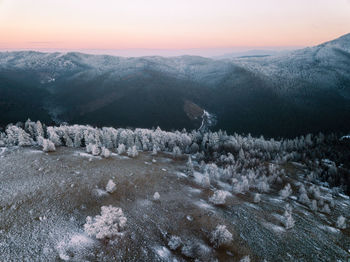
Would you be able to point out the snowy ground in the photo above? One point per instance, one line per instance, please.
(45, 199)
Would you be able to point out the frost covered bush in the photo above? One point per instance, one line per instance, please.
(220, 236)
(111, 187)
(257, 198)
(132, 151)
(156, 196)
(315, 191)
(107, 225)
(176, 152)
(263, 186)
(286, 191)
(303, 197)
(341, 222)
(174, 242)
(95, 150)
(105, 152)
(48, 146)
(219, 197)
(288, 219)
(205, 180)
(121, 149)
(326, 209)
(241, 186)
(313, 205)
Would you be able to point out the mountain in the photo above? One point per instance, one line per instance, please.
(249, 53)
(287, 94)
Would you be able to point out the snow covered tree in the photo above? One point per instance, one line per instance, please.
(111, 187)
(220, 236)
(257, 198)
(176, 152)
(132, 151)
(67, 140)
(48, 146)
(121, 149)
(286, 191)
(154, 150)
(313, 205)
(288, 219)
(219, 197)
(241, 154)
(205, 180)
(77, 139)
(303, 197)
(95, 150)
(52, 135)
(175, 242)
(105, 152)
(107, 225)
(156, 196)
(39, 130)
(341, 222)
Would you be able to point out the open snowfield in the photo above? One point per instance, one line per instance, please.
(45, 199)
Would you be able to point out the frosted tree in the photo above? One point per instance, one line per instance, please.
(95, 150)
(52, 135)
(29, 127)
(111, 187)
(288, 220)
(189, 166)
(341, 222)
(175, 242)
(89, 148)
(257, 198)
(39, 130)
(48, 146)
(67, 140)
(121, 149)
(286, 191)
(205, 180)
(313, 205)
(315, 190)
(326, 209)
(154, 150)
(176, 152)
(132, 151)
(263, 185)
(24, 138)
(220, 236)
(303, 197)
(107, 225)
(219, 197)
(105, 152)
(241, 154)
(77, 139)
(156, 196)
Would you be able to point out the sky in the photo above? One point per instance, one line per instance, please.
(135, 26)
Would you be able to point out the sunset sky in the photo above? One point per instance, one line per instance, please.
(163, 24)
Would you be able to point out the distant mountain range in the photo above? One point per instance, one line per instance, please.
(283, 94)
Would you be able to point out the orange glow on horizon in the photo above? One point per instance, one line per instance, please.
(157, 24)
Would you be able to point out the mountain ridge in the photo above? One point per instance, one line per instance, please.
(283, 95)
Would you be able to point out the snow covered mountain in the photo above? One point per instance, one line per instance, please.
(303, 91)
